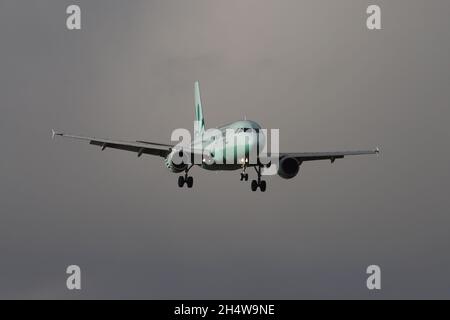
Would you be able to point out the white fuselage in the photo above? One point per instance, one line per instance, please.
(232, 146)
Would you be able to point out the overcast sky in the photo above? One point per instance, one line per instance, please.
(310, 68)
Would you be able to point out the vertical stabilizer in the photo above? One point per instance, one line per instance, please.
(199, 127)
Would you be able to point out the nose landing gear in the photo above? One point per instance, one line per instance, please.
(244, 175)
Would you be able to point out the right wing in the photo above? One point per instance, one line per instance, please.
(139, 147)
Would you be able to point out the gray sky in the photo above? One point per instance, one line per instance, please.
(310, 68)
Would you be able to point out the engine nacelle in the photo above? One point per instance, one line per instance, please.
(288, 167)
(174, 161)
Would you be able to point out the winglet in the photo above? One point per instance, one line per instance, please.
(377, 150)
(55, 133)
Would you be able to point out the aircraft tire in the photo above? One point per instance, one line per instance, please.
(262, 186)
(254, 185)
(190, 182)
(181, 181)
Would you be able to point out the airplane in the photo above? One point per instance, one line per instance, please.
(215, 148)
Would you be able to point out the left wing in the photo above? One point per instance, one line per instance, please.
(332, 156)
(139, 147)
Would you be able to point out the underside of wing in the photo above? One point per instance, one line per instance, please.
(289, 163)
(312, 156)
(139, 147)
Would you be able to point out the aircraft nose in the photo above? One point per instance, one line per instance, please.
(259, 140)
(256, 142)
(253, 140)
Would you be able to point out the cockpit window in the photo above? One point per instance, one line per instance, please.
(238, 130)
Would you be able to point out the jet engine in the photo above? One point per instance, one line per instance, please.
(288, 167)
(175, 161)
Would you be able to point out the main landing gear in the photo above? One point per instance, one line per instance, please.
(186, 179)
(258, 183)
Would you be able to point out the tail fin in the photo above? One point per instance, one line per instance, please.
(199, 127)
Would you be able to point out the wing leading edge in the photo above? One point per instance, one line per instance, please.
(139, 147)
(332, 156)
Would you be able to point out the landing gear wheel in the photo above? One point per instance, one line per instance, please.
(186, 179)
(181, 181)
(259, 183)
(246, 176)
(254, 185)
(190, 182)
(262, 186)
